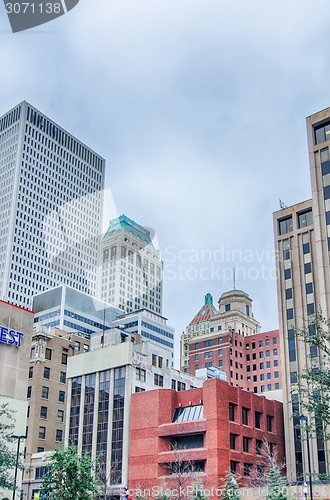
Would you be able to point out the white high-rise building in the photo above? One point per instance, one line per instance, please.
(131, 269)
(50, 202)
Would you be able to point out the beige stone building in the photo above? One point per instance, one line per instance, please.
(16, 326)
(302, 242)
(46, 395)
(131, 270)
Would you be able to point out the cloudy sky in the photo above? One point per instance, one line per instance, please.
(199, 108)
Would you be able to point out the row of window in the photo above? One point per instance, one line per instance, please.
(45, 394)
(246, 417)
(46, 374)
(304, 219)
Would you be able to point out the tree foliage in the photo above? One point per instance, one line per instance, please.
(7, 453)
(230, 488)
(70, 477)
(198, 490)
(275, 482)
(313, 384)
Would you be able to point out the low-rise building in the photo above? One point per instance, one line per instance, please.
(215, 428)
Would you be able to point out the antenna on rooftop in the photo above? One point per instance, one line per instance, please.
(282, 204)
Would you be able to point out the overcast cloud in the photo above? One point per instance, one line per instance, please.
(199, 109)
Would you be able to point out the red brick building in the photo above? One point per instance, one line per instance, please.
(217, 427)
(252, 362)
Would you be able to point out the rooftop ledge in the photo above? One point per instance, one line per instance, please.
(182, 428)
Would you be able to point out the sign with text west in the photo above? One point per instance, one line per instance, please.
(10, 337)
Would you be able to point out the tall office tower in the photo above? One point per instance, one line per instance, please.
(131, 269)
(50, 202)
(302, 240)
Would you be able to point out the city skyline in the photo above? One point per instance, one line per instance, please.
(196, 109)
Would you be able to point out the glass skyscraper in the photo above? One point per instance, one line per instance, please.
(50, 202)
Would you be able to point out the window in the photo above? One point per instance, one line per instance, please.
(262, 388)
(62, 377)
(261, 354)
(322, 133)
(277, 385)
(140, 374)
(275, 352)
(40, 450)
(245, 444)
(232, 412)
(48, 354)
(77, 346)
(248, 357)
(33, 353)
(258, 446)
(196, 346)
(40, 472)
(262, 366)
(287, 274)
(154, 360)
(181, 386)
(208, 343)
(29, 392)
(196, 357)
(247, 469)
(267, 342)
(45, 392)
(64, 359)
(293, 377)
(267, 354)
(233, 467)
(220, 363)
(310, 309)
(31, 372)
(42, 432)
(86, 348)
(188, 413)
(208, 354)
(276, 374)
(288, 293)
(160, 362)
(275, 362)
(43, 412)
(274, 340)
(269, 376)
(268, 364)
(61, 396)
(28, 412)
(59, 436)
(269, 423)
(219, 340)
(60, 416)
(247, 310)
(269, 387)
(232, 441)
(46, 372)
(306, 248)
(305, 218)
(307, 268)
(285, 225)
(245, 416)
(262, 377)
(219, 352)
(227, 307)
(158, 380)
(260, 343)
(309, 288)
(258, 419)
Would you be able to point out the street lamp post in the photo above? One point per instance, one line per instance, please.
(16, 466)
(305, 419)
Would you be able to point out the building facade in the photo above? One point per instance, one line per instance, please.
(149, 326)
(215, 428)
(200, 325)
(16, 325)
(46, 395)
(131, 270)
(72, 311)
(50, 201)
(100, 385)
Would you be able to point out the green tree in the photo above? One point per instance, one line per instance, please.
(70, 476)
(198, 492)
(164, 493)
(311, 389)
(7, 453)
(275, 482)
(230, 488)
